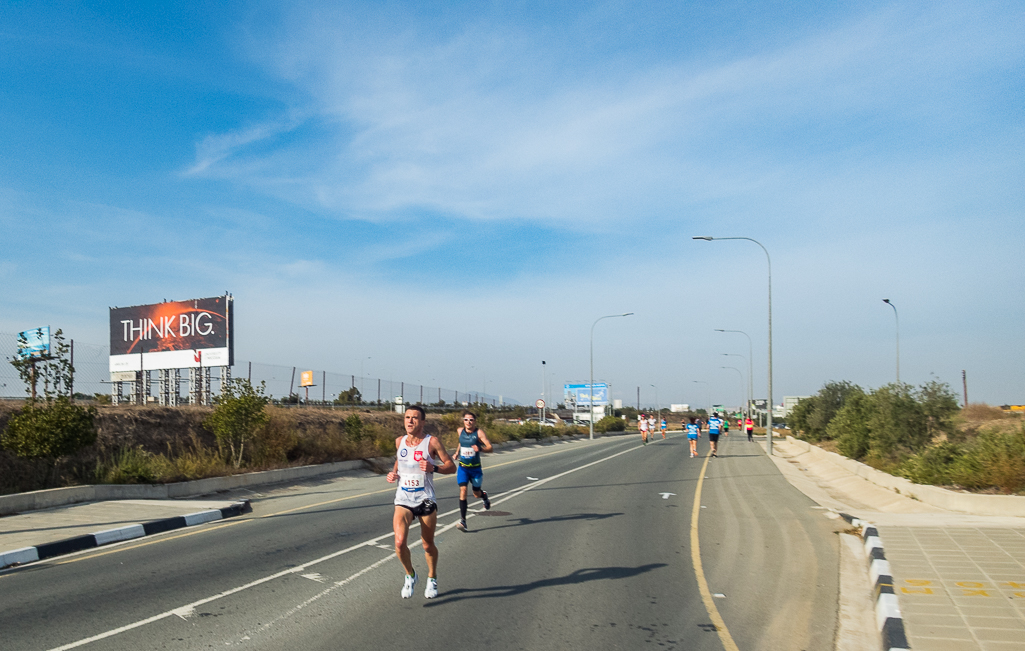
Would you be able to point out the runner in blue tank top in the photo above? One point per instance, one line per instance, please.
(714, 428)
(472, 441)
(693, 434)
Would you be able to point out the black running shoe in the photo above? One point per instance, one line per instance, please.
(487, 502)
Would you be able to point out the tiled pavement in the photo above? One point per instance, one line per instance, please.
(960, 588)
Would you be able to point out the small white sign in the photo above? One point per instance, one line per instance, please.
(540, 404)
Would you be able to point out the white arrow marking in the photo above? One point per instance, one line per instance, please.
(313, 576)
(665, 496)
(532, 478)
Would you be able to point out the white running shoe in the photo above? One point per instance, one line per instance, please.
(461, 525)
(407, 587)
(431, 591)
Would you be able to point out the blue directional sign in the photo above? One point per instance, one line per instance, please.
(36, 343)
(579, 395)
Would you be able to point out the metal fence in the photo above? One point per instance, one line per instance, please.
(92, 376)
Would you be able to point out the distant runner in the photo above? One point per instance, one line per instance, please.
(693, 433)
(642, 427)
(714, 428)
(417, 458)
(665, 426)
(472, 441)
(749, 427)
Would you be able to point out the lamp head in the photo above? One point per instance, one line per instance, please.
(886, 300)
(703, 237)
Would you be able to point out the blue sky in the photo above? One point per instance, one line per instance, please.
(454, 189)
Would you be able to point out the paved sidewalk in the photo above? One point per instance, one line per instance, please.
(37, 528)
(959, 579)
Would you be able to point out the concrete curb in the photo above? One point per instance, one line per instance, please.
(944, 498)
(129, 532)
(888, 617)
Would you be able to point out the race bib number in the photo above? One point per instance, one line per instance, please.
(414, 482)
(467, 453)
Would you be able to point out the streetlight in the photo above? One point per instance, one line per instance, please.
(658, 405)
(543, 391)
(768, 429)
(750, 367)
(708, 397)
(738, 373)
(590, 387)
(897, 318)
(747, 409)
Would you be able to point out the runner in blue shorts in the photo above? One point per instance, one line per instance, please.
(693, 432)
(472, 441)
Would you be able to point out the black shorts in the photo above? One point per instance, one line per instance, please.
(426, 507)
(714, 438)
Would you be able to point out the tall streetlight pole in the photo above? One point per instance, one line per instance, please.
(543, 371)
(658, 405)
(897, 318)
(750, 367)
(743, 385)
(708, 396)
(590, 387)
(768, 429)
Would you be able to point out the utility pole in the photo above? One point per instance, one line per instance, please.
(964, 382)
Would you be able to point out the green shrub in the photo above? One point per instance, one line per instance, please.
(1000, 458)
(354, 428)
(811, 416)
(610, 424)
(129, 466)
(934, 465)
(50, 430)
(850, 427)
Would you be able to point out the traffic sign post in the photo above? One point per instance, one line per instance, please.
(540, 404)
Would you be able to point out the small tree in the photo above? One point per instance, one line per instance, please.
(350, 396)
(54, 427)
(238, 416)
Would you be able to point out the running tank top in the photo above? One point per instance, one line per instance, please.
(713, 425)
(468, 457)
(415, 485)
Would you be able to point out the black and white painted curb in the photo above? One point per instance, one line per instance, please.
(888, 618)
(78, 543)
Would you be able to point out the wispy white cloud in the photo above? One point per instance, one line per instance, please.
(484, 125)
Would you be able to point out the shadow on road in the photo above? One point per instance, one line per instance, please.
(520, 522)
(579, 576)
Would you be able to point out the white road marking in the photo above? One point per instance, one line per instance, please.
(665, 496)
(188, 609)
(532, 478)
(314, 576)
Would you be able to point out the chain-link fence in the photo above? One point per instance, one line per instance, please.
(92, 376)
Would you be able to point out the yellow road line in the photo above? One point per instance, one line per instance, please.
(699, 572)
(122, 548)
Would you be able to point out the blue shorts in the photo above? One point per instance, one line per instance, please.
(692, 437)
(472, 476)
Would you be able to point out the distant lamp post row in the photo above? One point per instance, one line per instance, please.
(590, 387)
(750, 367)
(768, 429)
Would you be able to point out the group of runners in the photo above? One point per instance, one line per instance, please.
(649, 425)
(418, 457)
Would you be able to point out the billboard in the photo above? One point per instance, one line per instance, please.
(173, 334)
(36, 343)
(306, 379)
(577, 396)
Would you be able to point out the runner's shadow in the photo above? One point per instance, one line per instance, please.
(520, 522)
(579, 576)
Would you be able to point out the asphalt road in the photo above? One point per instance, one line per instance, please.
(587, 545)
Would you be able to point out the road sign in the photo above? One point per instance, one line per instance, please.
(540, 404)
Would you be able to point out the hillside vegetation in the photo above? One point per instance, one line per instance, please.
(918, 433)
(155, 444)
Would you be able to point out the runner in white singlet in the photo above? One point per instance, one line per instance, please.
(417, 458)
(642, 425)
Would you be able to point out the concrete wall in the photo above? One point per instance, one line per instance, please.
(944, 498)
